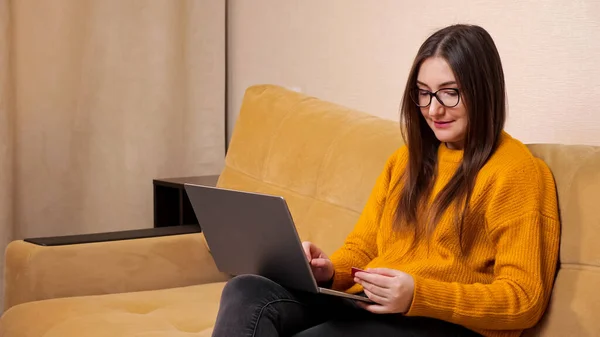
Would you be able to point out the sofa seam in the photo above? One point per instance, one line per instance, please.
(579, 266)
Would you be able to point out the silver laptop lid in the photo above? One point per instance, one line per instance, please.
(251, 233)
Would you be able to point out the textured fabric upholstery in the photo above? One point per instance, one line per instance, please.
(324, 159)
(575, 304)
(36, 273)
(178, 312)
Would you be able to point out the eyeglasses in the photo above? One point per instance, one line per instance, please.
(448, 97)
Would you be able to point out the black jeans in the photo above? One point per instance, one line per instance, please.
(254, 306)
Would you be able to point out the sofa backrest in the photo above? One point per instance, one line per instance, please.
(324, 159)
(321, 157)
(575, 305)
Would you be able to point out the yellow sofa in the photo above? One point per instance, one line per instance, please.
(324, 159)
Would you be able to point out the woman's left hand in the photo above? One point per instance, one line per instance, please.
(391, 290)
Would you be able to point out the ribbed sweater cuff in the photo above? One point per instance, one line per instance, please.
(427, 297)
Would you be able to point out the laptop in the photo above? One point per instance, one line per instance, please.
(252, 233)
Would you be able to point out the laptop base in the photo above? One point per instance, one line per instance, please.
(362, 298)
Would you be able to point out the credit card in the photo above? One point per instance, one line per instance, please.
(354, 270)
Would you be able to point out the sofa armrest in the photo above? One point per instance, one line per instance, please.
(35, 272)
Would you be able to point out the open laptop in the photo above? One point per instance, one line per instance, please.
(252, 233)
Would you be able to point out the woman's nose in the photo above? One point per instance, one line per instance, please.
(435, 108)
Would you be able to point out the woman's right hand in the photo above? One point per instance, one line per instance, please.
(321, 265)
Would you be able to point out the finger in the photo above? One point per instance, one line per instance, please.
(316, 252)
(376, 279)
(319, 263)
(378, 309)
(374, 308)
(306, 247)
(362, 304)
(376, 298)
(382, 292)
(385, 271)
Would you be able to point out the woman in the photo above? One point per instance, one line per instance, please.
(460, 235)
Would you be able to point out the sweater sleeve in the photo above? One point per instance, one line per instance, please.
(522, 223)
(360, 246)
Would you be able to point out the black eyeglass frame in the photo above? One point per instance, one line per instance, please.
(431, 95)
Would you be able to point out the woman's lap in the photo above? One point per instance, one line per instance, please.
(382, 326)
(255, 306)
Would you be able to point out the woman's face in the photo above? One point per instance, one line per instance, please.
(448, 123)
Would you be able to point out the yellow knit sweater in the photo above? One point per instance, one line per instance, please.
(502, 282)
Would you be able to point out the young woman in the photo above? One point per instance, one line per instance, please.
(460, 235)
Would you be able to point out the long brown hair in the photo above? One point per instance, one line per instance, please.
(474, 59)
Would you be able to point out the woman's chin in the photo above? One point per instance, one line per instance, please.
(445, 137)
(453, 143)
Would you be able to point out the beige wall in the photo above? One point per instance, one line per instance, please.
(358, 53)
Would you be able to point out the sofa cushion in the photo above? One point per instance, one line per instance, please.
(186, 311)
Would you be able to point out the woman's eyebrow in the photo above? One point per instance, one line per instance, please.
(447, 83)
(441, 85)
(423, 84)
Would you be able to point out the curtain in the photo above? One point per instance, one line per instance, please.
(6, 135)
(99, 97)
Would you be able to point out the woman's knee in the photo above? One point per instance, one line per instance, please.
(249, 288)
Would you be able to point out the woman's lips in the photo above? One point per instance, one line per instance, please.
(442, 124)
